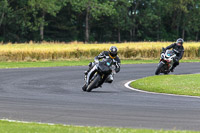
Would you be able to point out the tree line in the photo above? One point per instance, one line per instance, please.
(99, 20)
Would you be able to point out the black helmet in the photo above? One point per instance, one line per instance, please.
(113, 51)
(180, 40)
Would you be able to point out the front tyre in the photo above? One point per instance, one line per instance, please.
(158, 70)
(93, 83)
(84, 87)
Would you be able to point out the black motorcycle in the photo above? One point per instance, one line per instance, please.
(99, 75)
(166, 61)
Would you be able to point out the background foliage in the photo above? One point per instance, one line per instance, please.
(99, 20)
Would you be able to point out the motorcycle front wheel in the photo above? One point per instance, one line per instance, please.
(93, 83)
(84, 87)
(158, 70)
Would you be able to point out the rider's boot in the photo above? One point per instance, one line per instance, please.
(172, 69)
(110, 78)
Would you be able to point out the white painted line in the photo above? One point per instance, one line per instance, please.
(50, 124)
(127, 85)
(27, 122)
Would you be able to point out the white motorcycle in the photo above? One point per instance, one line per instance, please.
(166, 61)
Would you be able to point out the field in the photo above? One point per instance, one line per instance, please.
(78, 51)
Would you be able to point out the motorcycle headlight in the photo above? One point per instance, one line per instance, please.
(108, 63)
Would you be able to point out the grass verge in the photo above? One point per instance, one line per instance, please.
(15, 127)
(71, 63)
(171, 84)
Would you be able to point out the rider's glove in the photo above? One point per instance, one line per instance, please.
(96, 61)
(117, 69)
(176, 59)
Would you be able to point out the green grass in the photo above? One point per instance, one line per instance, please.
(172, 84)
(15, 127)
(71, 63)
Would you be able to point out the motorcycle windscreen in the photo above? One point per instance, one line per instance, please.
(105, 67)
(170, 53)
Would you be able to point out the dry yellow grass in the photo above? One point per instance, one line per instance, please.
(61, 51)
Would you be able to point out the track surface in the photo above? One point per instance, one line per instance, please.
(54, 95)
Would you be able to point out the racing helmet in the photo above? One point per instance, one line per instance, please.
(180, 41)
(113, 51)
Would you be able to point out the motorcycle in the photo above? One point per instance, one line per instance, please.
(166, 61)
(100, 74)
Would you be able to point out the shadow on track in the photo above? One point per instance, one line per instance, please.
(103, 92)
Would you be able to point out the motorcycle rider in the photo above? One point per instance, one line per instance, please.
(112, 54)
(178, 46)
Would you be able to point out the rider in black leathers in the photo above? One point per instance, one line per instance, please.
(178, 46)
(112, 53)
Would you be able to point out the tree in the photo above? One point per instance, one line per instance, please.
(133, 14)
(120, 19)
(3, 9)
(43, 7)
(178, 10)
(193, 22)
(14, 19)
(93, 9)
(151, 16)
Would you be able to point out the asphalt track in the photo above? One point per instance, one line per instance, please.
(54, 95)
